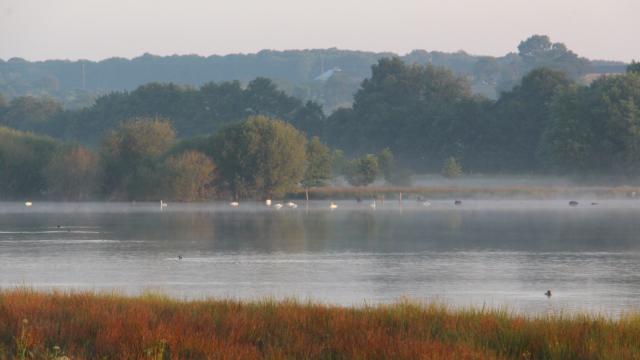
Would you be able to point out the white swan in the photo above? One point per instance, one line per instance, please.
(292, 205)
(234, 204)
(278, 206)
(28, 204)
(333, 206)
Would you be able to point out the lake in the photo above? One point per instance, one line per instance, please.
(482, 253)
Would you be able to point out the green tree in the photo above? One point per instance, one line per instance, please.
(596, 129)
(318, 168)
(339, 163)
(72, 174)
(363, 171)
(129, 157)
(451, 168)
(260, 157)
(188, 176)
(23, 157)
(634, 67)
(387, 164)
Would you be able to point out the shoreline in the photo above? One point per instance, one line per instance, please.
(83, 325)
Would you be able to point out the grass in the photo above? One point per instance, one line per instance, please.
(434, 192)
(37, 325)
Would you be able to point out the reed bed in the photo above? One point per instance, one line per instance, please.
(38, 325)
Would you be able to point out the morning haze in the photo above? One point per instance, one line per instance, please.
(466, 188)
(90, 29)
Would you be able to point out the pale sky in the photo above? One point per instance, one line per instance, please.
(98, 29)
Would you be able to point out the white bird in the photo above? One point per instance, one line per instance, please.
(163, 205)
(333, 206)
(373, 205)
(267, 202)
(292, 205)
(234, 204)
(426, 204)
(278, 206)
(28, 204)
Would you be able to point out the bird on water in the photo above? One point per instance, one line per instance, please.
(548, 293)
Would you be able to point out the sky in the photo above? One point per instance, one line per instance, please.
(99, 29)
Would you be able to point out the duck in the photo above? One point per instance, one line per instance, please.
(573, 203)
(548, 293)
(179, 257)
(457, 202)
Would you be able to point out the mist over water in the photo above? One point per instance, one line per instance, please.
(483, 252)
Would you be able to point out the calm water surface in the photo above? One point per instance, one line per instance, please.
(491, 253)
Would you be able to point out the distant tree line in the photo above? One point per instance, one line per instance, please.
(228, 141)
(77, 84)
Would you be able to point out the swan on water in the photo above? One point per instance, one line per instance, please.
(333, 206)
(28, 204)
(292, 205)
(234, 204)
(278, 206)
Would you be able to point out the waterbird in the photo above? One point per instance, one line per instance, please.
(426, 204)
(179, 257)
(292, 205)
(163, 205)
(373, 205)
(267, 202)
(333, 206)
(457, 202)
(278, 206)
(234, 204)
(573, 203)
(28, 204)
(594, 203)
(548, 293)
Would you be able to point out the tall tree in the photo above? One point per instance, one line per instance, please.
(363, 171)
(72, 174)
(188, 176)
(129, 157)
(260, 157)
(318, 167)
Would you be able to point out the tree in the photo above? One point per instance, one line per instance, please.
(386, 163)
(30, 113)
(519, 119)
(72, 174)
(339, 163)
(129, 157)
(363, 171)
(595, 129)
(23, 157)
(188, 176)
(318, 169)
(451, 168)
(634, 67)
(260, 157)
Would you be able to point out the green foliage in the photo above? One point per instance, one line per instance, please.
(451, 168)
(129, 157)
(363, 171)
(339, 163)
(411, 109)
(23, 157)
(72, 174)
(260, 157)
(318, 168)
(188, 176)
(596, 129)
(29, 113)
(387, 164)
(517, 122)
(634, 67)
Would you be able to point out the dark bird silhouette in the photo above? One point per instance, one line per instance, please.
(548, 293)
(458, 202)
(179, 257)
(573, 203)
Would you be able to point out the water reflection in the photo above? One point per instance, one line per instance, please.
(483, 252)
